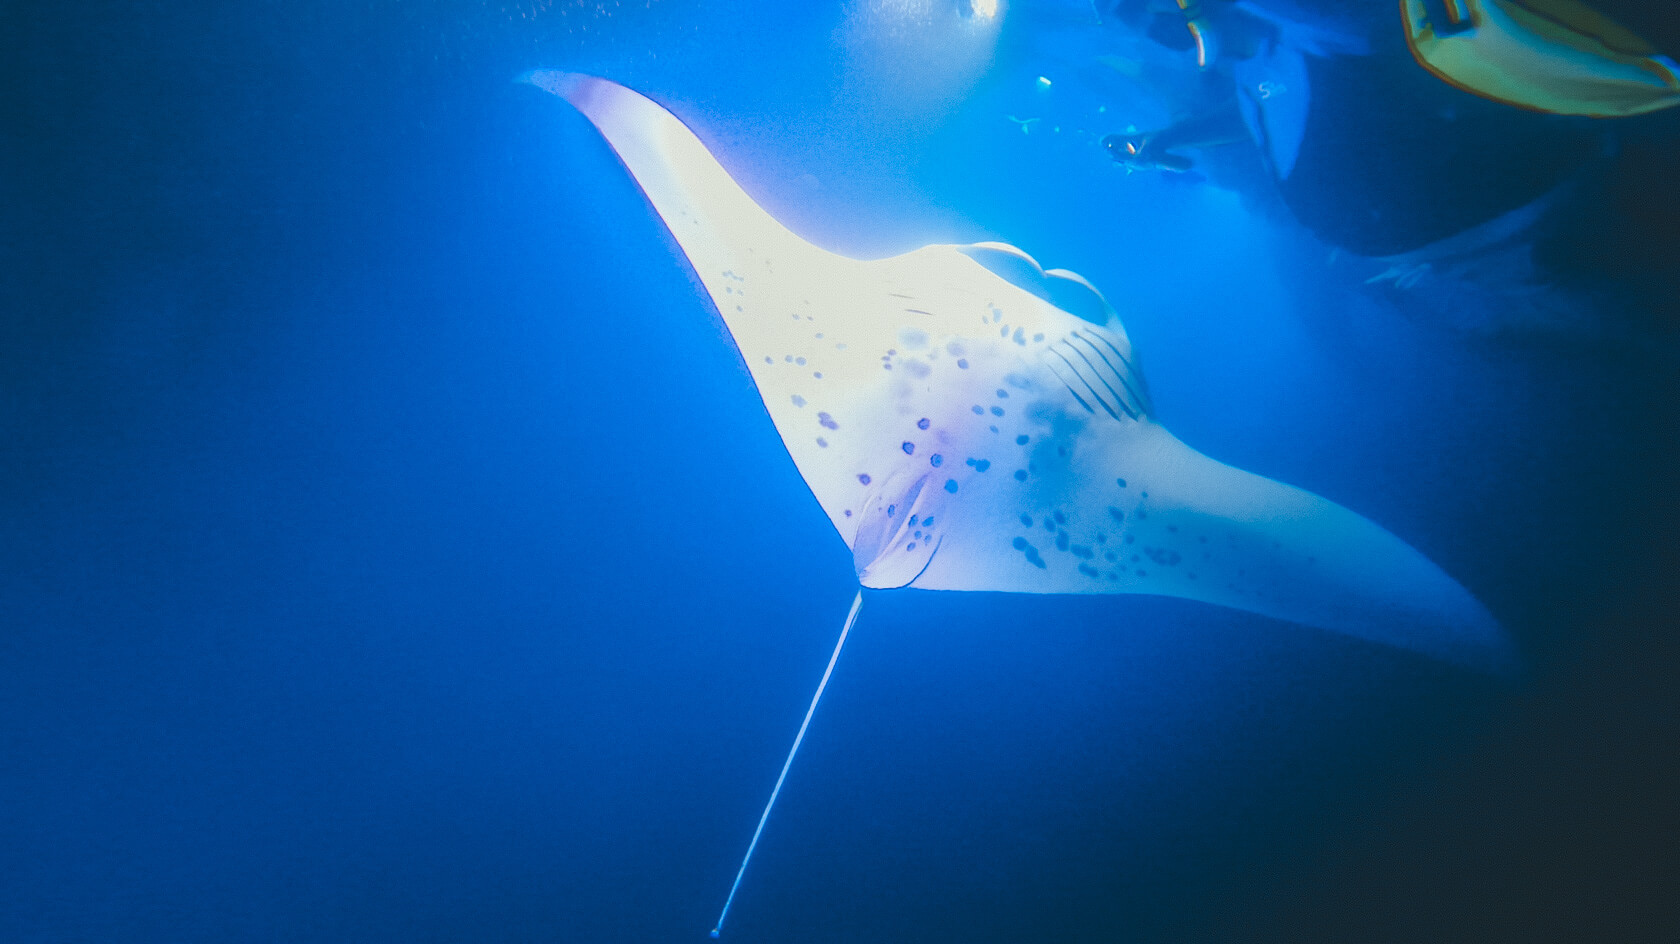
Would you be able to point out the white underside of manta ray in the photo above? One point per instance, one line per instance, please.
(965, 430)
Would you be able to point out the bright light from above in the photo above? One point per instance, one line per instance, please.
(918, 57)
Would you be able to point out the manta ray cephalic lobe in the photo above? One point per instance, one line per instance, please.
(964, 429)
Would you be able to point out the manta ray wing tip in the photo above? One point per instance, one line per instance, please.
(567, 85)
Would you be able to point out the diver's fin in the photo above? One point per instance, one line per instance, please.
(1558, 56)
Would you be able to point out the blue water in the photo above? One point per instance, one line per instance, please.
(393, 546)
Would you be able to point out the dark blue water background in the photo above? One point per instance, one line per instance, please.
(392, 546)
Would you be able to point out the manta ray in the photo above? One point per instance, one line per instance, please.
(970, 420)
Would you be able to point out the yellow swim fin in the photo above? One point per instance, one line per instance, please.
(1558, 56)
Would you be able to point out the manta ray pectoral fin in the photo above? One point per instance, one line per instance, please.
(1281, 551)
(711, 217)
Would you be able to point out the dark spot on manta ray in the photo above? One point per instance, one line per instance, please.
(1049, 525)
(1163, 556)
(909, 448)
(1020, 475)
(864, 478)
(798, 400)
(936, 460)
(822, 442)
(951, 486)
(1002, 394)
(1121, 482)
(1060, 518)
(893, 510)
(980, 465)
(817, 375)
(1034, 559)
(978, 410)
(769, 360)
(1173, 528)
(962, 363)
(1082, 552)
(827, 421)
(911, 546)
(1026, 521)
(1061, 541)
(1020, 440)
(997, 411)
(800, 361)
(1110, 556)
(1020, 544)
(1129, 539)
(1116, 513)
(922, 423)
(913, 521)
(1087, 570)
(1037, 338)
(848, 512)
(927, 522)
